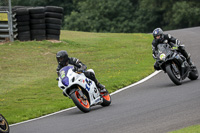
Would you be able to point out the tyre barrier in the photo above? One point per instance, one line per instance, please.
(22, 20)
(53, 19)
(38, 23)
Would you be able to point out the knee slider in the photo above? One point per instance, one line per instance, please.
(181, 47)
(91, 70)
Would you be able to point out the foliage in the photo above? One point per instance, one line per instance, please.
(102, 16)
(124, 15)
(185, 14)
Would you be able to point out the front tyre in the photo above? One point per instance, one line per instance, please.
(174, 73)
(4, 127)
(106, 99)
(81, 103)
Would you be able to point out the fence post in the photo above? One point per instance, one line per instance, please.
(10, 22)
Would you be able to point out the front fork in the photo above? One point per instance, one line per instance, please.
(175, 68)
(81, 93)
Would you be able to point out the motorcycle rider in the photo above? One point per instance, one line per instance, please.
(160, 37)
(64, 60)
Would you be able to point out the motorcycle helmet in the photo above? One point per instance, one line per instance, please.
(62, 58)
(158, 32)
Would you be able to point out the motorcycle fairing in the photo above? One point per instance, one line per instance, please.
(68, 79)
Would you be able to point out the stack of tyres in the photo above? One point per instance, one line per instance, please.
(53, 19)
(22, 20)
(37, 23)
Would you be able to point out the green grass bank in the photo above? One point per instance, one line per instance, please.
(191, 129)
(28, 86)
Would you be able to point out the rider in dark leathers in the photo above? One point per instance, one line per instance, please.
(159, 37)
(64, 60)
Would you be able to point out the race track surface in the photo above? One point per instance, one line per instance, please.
(155, 106)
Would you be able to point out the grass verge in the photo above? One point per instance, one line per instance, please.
(28, 86)
(191, 129)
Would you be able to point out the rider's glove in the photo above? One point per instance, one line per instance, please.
(77, 65)
(76, 69)
(154, 56)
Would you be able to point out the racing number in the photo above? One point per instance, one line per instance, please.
(87, 86)
(62, 73)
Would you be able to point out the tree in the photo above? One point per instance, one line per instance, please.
(102, 16)
(184, 14)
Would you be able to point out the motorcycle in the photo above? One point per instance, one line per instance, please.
(4, 127)
(175, 64)
(81, 90)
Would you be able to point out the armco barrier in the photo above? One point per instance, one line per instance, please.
(6, 27)
(6, 32)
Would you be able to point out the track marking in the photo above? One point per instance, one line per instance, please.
(139, 82)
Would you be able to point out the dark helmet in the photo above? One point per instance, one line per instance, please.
(62, 57)
(158, 32)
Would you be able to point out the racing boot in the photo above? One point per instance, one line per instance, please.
(101, 88)
(190, 62)
(187, 56)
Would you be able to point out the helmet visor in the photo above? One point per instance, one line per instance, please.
(157, 36)
(60, 59)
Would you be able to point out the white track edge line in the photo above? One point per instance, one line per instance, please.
(139, 82)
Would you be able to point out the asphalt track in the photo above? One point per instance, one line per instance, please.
(155, 106)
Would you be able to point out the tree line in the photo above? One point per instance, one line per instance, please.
(126, 16)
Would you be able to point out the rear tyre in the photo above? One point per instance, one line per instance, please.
(173, 75)
(194, 74)
(4, 127)
(106, 99)
(82, 104)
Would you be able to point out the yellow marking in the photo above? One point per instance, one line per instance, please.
(3, 17)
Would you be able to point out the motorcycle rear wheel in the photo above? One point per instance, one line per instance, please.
(172, 75)
(193, 75)
(4, 127)
(106, 99)
(82, 104)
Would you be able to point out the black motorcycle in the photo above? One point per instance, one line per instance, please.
(4, 127)
(175, 64)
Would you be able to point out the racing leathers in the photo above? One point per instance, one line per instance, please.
(174, 43)
(80, 67)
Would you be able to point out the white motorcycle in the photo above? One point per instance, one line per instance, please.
(81, 90)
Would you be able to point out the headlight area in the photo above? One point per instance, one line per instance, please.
(162, 57)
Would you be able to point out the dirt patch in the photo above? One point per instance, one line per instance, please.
(54, 41)
(2, 43)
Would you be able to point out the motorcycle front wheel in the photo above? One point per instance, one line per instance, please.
(173, 74)
(4, 127)
(82, 103)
